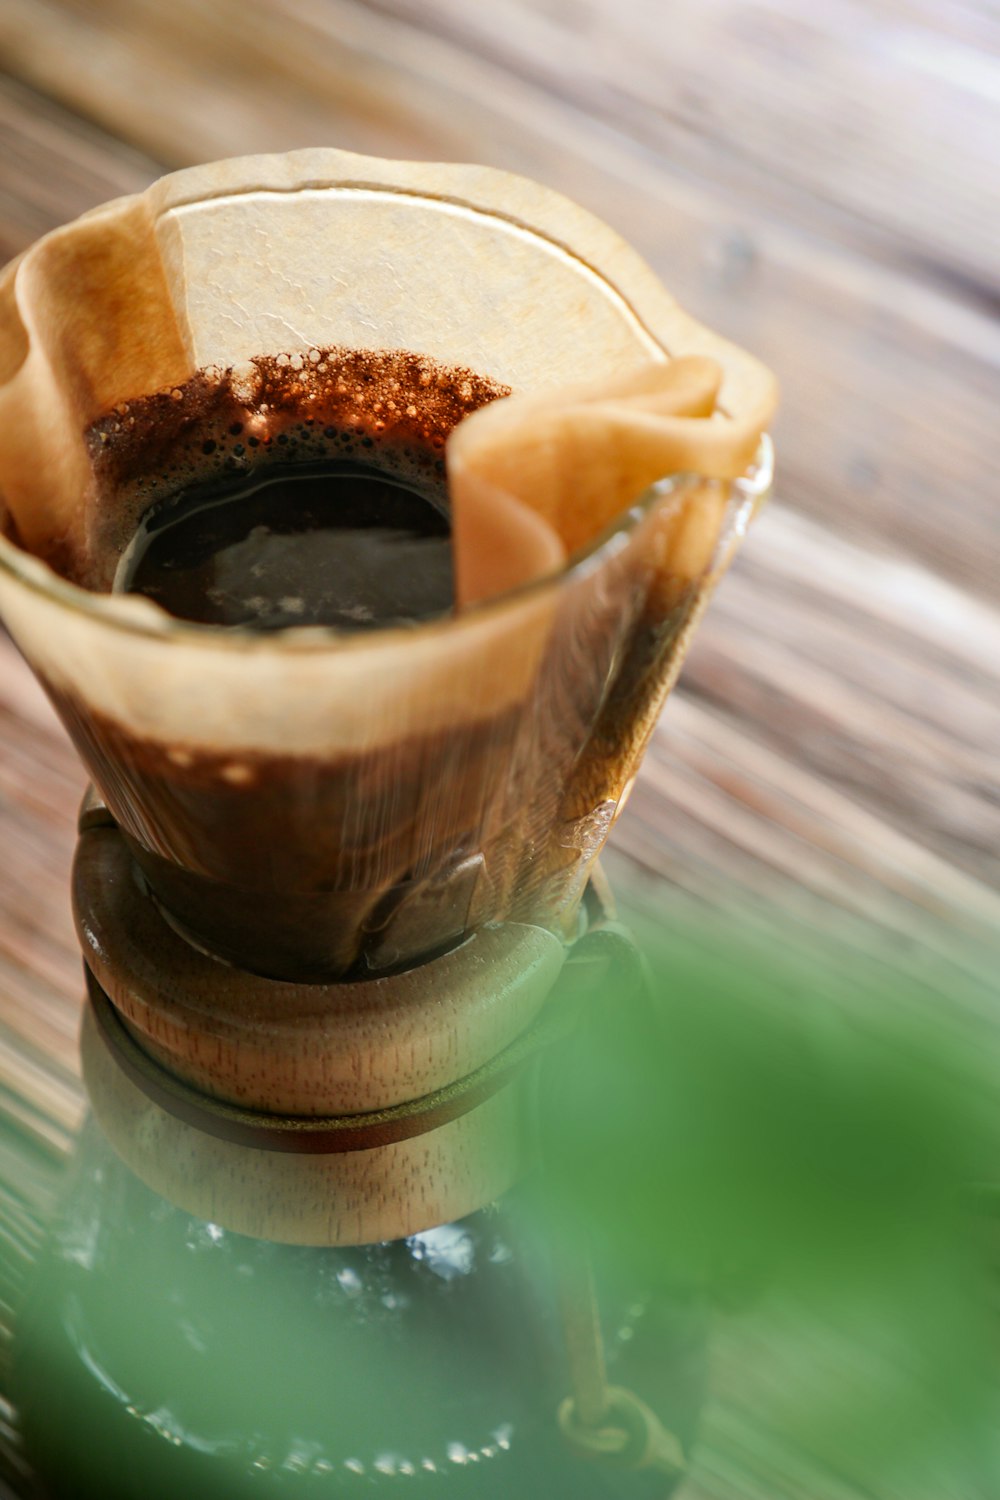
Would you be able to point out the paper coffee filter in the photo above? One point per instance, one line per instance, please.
(413, 781)
(536, 477)
(218, 265)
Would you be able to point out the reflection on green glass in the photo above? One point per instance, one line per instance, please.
(160, 1356)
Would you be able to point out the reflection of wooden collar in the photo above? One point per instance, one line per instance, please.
(377, 1046)
(326, 1134)
(322, 1134)
(318, 1114)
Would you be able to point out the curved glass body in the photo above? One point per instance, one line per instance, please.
(157, 1355)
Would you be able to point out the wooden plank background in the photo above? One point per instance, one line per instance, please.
(818, 181)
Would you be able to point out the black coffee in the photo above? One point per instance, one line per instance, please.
(337, 544)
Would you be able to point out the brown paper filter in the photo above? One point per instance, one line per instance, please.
(534, 479)
(312, 803)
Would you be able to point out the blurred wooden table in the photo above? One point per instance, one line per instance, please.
(818, 182)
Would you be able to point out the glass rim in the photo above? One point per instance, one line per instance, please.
(136, 615)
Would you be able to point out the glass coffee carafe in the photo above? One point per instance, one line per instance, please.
(332, 883)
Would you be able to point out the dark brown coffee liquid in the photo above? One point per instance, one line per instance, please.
(338, 544)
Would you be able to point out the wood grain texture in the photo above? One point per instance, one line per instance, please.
(861, 120)
(819, 183)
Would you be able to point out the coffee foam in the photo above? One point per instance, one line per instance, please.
(391, 408)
